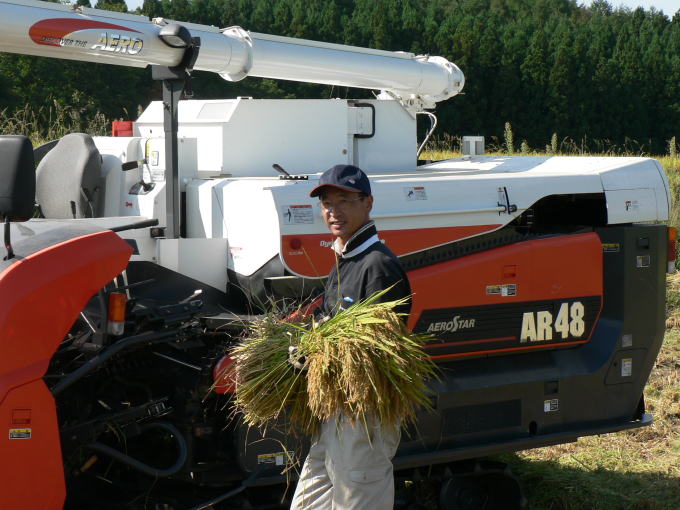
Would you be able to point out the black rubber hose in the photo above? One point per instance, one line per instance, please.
(8, 242)
(140, 466)
(144, 338)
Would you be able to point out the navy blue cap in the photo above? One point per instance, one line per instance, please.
(345, 177)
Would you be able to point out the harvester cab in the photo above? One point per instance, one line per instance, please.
(541, 278)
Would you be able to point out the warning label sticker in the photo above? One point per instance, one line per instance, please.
(277, 458)
(611, 247)
(507, 289)
(642, 261)
(552, 405)
(297, 214)
(632, 205)
(626, 367)
(20, 433)
(157, 174)
(415, 193)
(236, 252)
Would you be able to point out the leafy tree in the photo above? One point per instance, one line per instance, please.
(112, 5)
(543, 65)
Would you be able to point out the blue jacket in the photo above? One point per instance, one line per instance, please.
(364, 267)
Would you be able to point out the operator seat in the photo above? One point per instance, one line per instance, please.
(17, 178)
(68, 179)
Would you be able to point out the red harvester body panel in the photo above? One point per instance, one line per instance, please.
(42, 294)
(497, 288)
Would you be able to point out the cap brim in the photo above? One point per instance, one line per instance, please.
(317, 191)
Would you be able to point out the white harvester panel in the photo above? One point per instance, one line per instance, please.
(240, 210)
(245, 137)
(431, 206)
(123, 190)
(435, 205)
(264, 218)
(636, 189)
(203, 260)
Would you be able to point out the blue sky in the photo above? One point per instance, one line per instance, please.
(669, 7)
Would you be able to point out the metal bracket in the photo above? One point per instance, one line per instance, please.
(372, 107)
(175, 80)
(504, 202)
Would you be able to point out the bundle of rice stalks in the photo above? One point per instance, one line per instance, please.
(361, 362)
(267, 385)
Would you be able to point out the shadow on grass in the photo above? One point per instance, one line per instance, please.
(549, 485)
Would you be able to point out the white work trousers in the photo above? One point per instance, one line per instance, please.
(349, 467)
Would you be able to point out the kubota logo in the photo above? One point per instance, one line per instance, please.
(62, 32)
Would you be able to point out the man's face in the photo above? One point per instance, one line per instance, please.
(344, 212)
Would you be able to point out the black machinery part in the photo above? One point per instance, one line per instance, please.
(140, 466)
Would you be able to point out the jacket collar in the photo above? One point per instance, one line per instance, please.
(360, 240)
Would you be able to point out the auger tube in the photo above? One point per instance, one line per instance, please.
(54, 30)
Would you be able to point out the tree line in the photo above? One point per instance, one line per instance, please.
(596, 74)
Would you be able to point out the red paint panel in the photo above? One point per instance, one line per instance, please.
(310, 254)
(412, 240)
(48, 32)
(554, 268)
(42, 295)
(31, 470)
(469, 342)
(443, 357)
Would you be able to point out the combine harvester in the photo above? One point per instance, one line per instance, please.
(542, 278)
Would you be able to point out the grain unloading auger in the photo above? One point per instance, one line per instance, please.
(543, 278)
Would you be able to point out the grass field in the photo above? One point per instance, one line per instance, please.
(633, 470)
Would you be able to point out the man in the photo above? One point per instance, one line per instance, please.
(349, 466)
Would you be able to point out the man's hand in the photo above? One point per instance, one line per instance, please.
(321, 321)
(299, 362)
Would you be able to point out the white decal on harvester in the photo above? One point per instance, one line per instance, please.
(539, 326)
(297, 214)
(118, 43)
(451, 326)
(551, 405)
(642, 261)
(626, 367)
(632, 205)
(415, 193)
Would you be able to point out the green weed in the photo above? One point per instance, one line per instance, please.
(633, 470)
(53, 121)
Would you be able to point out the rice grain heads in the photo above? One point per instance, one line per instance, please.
(361, 362)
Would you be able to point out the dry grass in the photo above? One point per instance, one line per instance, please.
(673, 301)
(53, 121)
(632, 470)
